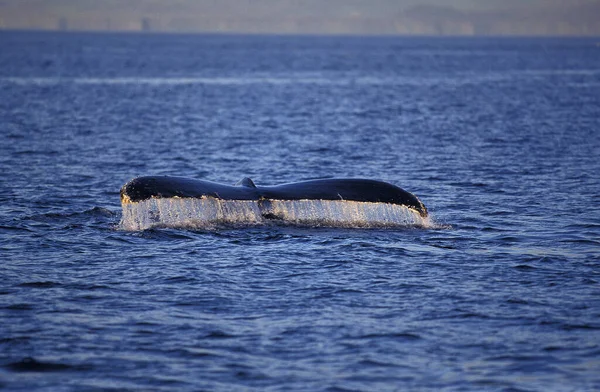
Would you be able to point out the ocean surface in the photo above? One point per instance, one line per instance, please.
(499, 137)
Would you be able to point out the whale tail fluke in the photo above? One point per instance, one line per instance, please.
(338, 202)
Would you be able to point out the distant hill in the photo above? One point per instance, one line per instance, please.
(408, 17)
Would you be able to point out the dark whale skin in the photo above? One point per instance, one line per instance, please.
(350, 189)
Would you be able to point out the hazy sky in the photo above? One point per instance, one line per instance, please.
(472, 4)
(446, 17)
(173, 5)
(32, 5)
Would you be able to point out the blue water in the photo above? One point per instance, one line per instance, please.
(500, 138)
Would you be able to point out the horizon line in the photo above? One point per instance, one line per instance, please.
(289, 34)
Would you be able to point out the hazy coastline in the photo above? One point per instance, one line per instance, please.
(338, 17)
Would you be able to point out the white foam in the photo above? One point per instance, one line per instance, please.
(175, 81)
(208, 212)
(283, 79)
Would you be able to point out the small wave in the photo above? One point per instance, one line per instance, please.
(30, 364)
(175, 81)
(40, 285)
(92, 212)
(209, 212)
(14, 228)
(590, 327)
(525, 267)
(19, 306)
(278, 80)
(218, 334)
(391, 335)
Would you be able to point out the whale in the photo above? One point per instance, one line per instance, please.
(364, 190)
(172, 200)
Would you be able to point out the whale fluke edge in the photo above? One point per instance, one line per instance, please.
(352, 189)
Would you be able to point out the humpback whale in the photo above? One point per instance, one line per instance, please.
(175, 200)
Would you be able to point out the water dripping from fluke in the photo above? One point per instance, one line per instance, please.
(191, 213)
